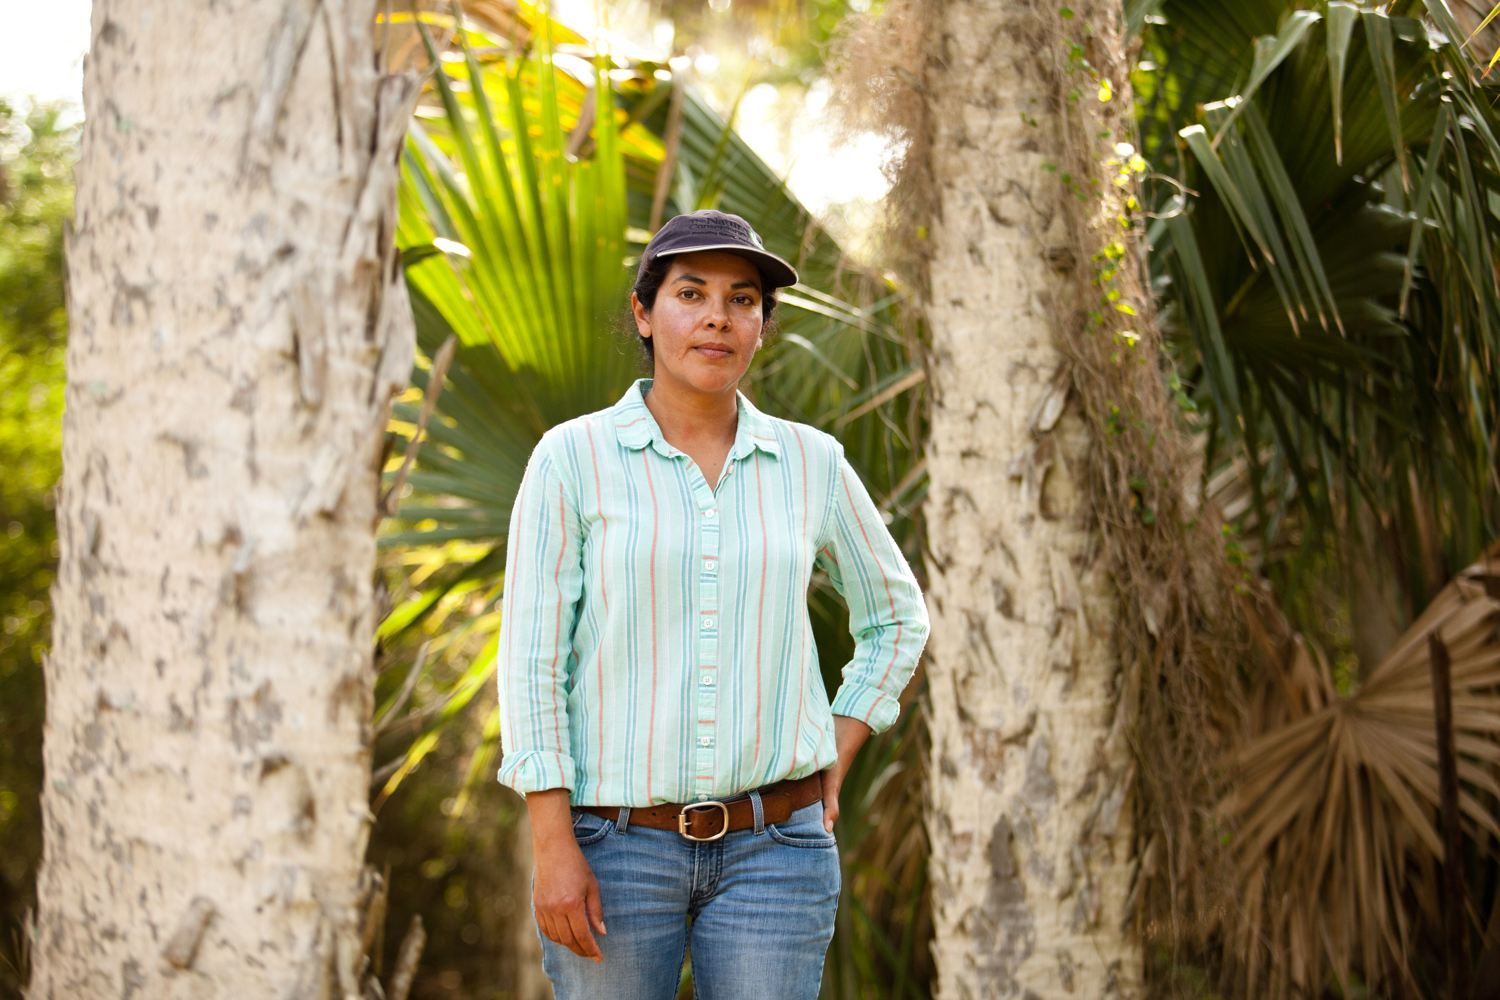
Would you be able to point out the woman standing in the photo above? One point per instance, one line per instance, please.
(662, 709)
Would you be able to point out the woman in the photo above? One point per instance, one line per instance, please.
(661, 704)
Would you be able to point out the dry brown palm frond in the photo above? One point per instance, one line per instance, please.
(1333, 811)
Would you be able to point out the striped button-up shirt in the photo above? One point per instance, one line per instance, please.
(656, 644)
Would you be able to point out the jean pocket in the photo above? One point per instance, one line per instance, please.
(804, 828)
(589, 829)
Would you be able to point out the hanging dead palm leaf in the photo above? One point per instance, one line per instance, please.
(1334, 808)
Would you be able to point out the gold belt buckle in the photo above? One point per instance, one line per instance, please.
(682, 820)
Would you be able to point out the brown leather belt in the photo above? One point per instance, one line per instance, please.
(711, 820)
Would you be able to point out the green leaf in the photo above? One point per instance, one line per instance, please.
(1244, 218)
(1445, 21)
(714, 177)
(1470, 222)
(1424, 194)
(1207, 332)
(1270, 50)
(413, 612)
(1382, 53)
(820, 357)
(1289, 207)
(1341, 18)
(1242, 190)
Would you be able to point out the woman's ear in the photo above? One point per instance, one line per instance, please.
(642, 317)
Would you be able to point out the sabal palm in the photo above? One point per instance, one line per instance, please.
(1313, 333)
(1330, 281)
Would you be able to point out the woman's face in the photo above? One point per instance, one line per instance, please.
(706, 323)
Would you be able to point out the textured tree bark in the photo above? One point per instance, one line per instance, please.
(1031, 775)
(238, 323)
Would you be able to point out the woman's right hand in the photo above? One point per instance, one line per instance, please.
(565, 894)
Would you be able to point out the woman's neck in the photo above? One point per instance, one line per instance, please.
(690, 419)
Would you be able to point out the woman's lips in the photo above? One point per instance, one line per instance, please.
(714, 350)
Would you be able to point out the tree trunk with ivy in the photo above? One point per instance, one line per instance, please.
(238, 323)
(1031, 775)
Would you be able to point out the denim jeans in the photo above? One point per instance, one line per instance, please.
(762, 903)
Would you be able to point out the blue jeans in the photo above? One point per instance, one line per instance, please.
(762, 903)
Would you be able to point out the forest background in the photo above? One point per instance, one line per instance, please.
(1284, 360)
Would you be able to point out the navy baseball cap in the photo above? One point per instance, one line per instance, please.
(710, 229)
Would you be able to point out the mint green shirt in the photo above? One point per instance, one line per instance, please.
(656, 644)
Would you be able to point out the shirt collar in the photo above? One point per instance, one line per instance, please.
(754, 430)
(636, 428)
(634, 425)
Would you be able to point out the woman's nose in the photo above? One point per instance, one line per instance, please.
(718, 316)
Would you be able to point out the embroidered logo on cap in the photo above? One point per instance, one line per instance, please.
(716, 225)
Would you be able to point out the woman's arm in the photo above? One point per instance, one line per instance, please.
(543, 582)
(887, 617)
(565, 893)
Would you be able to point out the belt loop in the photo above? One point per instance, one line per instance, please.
(760, 813)
(622, 822)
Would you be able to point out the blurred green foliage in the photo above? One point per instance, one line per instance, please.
(36, 193)
(464, 870)
(787, 39)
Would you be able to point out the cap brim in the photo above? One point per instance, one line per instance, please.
(777, 272)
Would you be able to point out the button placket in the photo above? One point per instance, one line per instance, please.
(704, 735)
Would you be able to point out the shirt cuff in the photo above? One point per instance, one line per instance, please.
(537, 771)
(869, 705)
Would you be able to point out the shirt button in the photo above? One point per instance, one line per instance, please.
(705, 741)
(710, 513)
(708, 624)
(708, 680)
(709, 566)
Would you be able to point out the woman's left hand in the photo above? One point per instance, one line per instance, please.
(850, 735)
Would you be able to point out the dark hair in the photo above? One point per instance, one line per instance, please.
(648, 281)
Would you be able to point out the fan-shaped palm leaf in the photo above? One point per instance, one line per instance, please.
(1336, 799)
(1347, 341)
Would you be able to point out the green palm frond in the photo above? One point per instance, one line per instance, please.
(1308, 304)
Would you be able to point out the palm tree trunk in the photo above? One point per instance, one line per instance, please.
(1030, 772)
(238, 323)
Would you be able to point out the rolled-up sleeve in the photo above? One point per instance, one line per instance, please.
(887, 615)
(543, 582)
